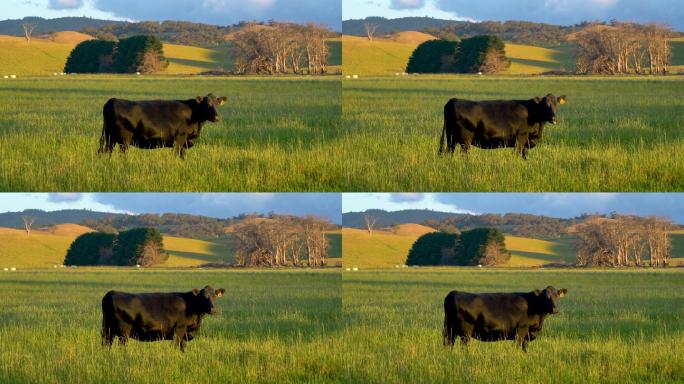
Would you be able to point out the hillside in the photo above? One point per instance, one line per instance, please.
(387, 218)
(45, 26)
(46, 219)
(45, 56)
(47, 247)
(388, 56)
(387, 249)
(385, 26)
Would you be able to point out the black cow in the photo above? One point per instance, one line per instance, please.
(157, 123)
(498, 316)
(497, 123)
(173, 316)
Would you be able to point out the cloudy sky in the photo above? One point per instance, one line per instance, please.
(564, 12)
(549, 204)
(221, 205)
(219, 12)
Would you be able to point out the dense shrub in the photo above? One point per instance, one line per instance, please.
(435, 248)
(433, 56)
(91, 56)
(93, 248)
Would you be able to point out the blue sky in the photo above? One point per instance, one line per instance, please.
(549, 204)
(219, 12)
(563, 12)
(221, 205)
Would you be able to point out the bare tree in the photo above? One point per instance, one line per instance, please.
(622, 48)
(494, 62)
(28, 30)
(621, 240)
(370, 222)
(281, 241)
(370, 29)
(28, 223)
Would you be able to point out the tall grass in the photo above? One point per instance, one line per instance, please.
(277, 134)
(614, 134)
(613, 327)
(272, 326)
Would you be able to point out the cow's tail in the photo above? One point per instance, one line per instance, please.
(107, 310)
(442, 139)
(105, 138)
(448, 330)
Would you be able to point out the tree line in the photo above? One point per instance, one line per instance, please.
(281, 241)
(479, 246)
(620, 48)
(622, 240)
(137, 246)
(522, 32)
(485, 53)
(177, 32)
(142, 53)
(280, 48)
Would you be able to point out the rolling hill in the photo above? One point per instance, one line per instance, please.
(45, 56)
(47, 247)
(389, 55)
(388, 249)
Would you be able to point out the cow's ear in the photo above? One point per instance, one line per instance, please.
(198, 98)
(220, 292)
(562, 99)
(222, 100)
(537, 292)
(562, 292)
(195, 291)
(537, 99)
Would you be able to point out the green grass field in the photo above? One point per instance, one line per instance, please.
(271, 326)
(619, 134)
(277, 134)
(613, 327)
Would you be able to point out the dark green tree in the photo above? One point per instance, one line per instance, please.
(141, 246)
(433, 56)
(471, 55)
(435, 248)
(93, 248)
(485, 246)
(141, 53)
(91, 56)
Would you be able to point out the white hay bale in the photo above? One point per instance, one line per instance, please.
(355, 269)
(13, 76)
(355, 77)
(5, 269)
(13, 269)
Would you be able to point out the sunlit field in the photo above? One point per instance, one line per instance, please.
(613, 327)
(277, 134)
(614, 134)
(271, 326)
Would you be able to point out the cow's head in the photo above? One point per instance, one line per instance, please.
(205, 297)
(547, 107)
(208, 107)
(547, 299)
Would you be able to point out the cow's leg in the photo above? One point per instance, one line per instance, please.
(466, 333)
(179, 338)
(521, 145)
(180, 145)
(521, 338)
(449, 333)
